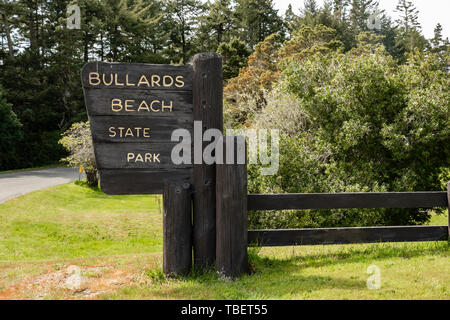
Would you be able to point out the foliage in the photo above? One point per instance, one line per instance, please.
(10, 134)
(40, 58)
(356, 122)
(234, 54)
(78, 142)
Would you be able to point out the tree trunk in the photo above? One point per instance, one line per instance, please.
(8, 35)
(92, 177)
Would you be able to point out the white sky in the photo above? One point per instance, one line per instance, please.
(431, 12)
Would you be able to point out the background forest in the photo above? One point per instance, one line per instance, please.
(361, 101)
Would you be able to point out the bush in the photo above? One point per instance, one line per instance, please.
(354, 122)
(78, 142)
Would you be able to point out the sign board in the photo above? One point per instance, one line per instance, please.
(133, 110)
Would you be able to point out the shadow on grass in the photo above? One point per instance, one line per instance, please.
(284, 278)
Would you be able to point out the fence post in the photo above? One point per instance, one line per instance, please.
(448, 205)
(207, 101)
(177, 228)
(231, 197)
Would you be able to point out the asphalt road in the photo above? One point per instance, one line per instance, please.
(16, 184)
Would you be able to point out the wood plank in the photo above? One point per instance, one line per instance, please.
(135, 71)
(106, 128)
(448, 206)
(231, 215)
(347, 200)
(135, 181)
(208, 100)
(99, 102)
(114, 156)
(346, 235)
(177, 228)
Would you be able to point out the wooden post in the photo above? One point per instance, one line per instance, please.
(231, 193)
(207, 100)
(448, 205)
(177, 228)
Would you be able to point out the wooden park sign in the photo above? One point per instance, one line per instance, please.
(133, 110)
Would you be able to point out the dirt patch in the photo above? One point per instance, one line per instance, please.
(70, 282)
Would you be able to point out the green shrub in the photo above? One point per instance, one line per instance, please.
(78, 142)
(355, 122)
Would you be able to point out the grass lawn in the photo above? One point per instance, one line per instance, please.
(114, 243)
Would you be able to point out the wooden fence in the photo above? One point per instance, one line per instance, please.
(225, 231)
(347, 235)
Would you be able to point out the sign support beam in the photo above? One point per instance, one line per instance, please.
(207, 101)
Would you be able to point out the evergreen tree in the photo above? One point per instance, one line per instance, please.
(216, 25)
(291, 20)
(409, 29)
(440, 47)
(258, 19)
(10, 134)
(181, 21)
(234, 54)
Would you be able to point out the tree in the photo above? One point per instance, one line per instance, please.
(359, 14)
(182, 20)
(10, 134)
(440, 47)
(258, 19)
(290, 19)
(6, 13)
(409, 28)
(78, 142)
(216, 25)
(350, 122)
(234, 54)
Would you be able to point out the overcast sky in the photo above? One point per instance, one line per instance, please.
(431, 12)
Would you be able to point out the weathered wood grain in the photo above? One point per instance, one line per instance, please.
(177, 228)
(138, 181)
(347, 200)
(231, 215)
(135, 70)
(99, 102)
(346, 235)
(114, 156)
(171, 85)
(160, 130)
(207, 99)
(448, 206)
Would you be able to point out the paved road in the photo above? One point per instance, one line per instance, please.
(16, 184)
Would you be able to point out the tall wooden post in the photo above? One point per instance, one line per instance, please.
(177, 228)
(231, 193)
(207, 99)
(448, 205)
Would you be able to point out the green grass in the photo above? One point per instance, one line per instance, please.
(117, 242)
(75, 221)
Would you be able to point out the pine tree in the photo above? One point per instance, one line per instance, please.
(216, 25)
(409, 28)
(257, 20)
(235, 55)
(10, 134)
(181, 22)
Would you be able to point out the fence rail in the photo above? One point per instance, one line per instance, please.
(290, 237)
(347, 200)
(347, 235)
